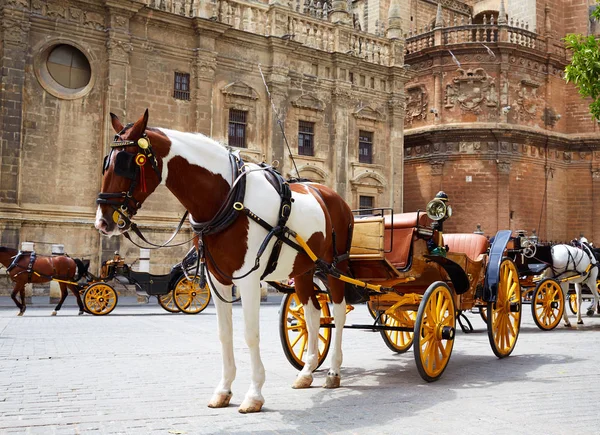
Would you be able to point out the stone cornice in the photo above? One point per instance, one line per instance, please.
(493, 131)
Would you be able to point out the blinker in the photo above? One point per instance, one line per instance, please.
(124, 165)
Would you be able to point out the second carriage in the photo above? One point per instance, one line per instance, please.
(427, 278)
(177, 291)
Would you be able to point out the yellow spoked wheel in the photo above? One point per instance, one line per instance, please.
(547, 304)
(189, 297)
(434, 331)
(168, 302)
(100, 299)
(294, 334)
(398, 341)
(504, 315)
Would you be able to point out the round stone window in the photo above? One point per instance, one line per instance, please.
(63, 69)
(69, 67)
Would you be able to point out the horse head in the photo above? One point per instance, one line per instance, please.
(131, 172)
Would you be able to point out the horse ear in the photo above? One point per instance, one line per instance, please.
(117, 126)
(140, 126)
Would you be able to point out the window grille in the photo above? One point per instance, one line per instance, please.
(365, 146)
(306, 134)
(181, 89)
(237, 128)
(366, 204)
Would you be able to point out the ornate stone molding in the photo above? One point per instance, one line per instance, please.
(15, 32)
(119, 50)
(417, 101)
(240, 90)
(470, 89)
(369, 179)
(369, 114)
(308, 101)
(595, 174)
(528, 100)
(94, 20)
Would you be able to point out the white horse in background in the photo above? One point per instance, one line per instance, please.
(569, 261)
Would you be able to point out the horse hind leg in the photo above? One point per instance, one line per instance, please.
(222, 394)
(75, 290)
(339, 318)
(305, 291)
(565, 289)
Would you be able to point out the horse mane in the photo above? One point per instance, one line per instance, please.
(82, 267)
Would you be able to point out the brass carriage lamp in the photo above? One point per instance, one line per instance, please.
(438, 210)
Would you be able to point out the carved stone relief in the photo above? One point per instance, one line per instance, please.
(528, 100)
(417, 101)
(470, 89)
(94, 20)
(119, 50)
(369, 114)
(437, 167)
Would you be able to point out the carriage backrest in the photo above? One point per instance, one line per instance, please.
(399, 233)
(473, 245)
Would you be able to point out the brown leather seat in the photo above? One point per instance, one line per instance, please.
(407, 220)
(474, 245)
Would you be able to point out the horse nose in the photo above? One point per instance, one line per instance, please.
(102, 225)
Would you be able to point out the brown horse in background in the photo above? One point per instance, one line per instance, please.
(44, 269)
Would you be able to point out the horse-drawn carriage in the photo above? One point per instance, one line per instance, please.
(428, 279)
(548, 273)
(176, 291)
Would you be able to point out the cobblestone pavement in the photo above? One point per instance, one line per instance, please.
(141, 370)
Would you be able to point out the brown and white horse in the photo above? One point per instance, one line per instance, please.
(44, 269)
(198, 171)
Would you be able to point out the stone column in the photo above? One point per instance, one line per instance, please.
(340, 105)
(397, 110)
(14, 35)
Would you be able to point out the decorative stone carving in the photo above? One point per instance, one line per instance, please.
(240, 90)
(56, 11)
(94, 20)
(15, 31)
(369, 179)
(595, 173)
(528, 100)
(75, 13)
(417, 101)
(119, 50)
(470, 90)
(308, 101)
(503, 166)
(437, 167)
(21, 3)
(369, 114)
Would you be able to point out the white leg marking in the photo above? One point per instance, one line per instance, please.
(312, 315)
(250, 292)
(223, 393)
(565, 289)
(339, 318)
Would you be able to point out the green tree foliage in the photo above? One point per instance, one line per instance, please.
(584, 69)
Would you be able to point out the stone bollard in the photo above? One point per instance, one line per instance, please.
(144, 266)
(28, 247)
(55, 286)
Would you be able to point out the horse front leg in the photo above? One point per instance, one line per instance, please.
(63, 296)
(339, 318)
(250, 293)
(222, 394)
(19, 288)
(579, 306)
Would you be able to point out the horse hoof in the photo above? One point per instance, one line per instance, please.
(250, 405)
(53, 313)
(580, 322)
(81, 312)
(567, 325)
(332, 382)
(220, 400)
(303, 381)
(20, 313)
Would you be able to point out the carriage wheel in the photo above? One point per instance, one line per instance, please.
(398, 341)
(547, 304)
(189, 297)
(434, 331)
(168, 302)
(100, 299)
(504, 315)
(294, 334)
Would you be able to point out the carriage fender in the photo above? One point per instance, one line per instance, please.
(176, 273)
(492, 273)
(459, 278)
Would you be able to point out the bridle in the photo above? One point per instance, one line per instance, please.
(131, 166)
